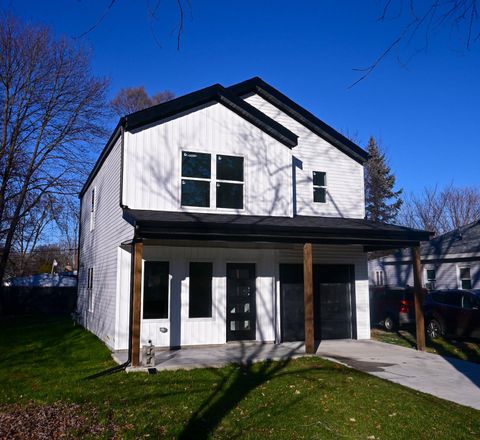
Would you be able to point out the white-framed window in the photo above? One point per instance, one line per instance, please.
(90, 294)
(379, 278)
(320, 187)
(93, 208)
(431, 278)
(464, 278)
(197, 178)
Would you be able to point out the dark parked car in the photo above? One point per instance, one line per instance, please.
(392, 307)
(452, 313)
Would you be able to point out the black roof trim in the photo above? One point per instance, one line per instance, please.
(213, 93)
(232, 227)
(300, 114)
(103, 155)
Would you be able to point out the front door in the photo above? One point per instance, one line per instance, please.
(241, 314)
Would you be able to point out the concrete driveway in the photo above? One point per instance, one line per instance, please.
(447, 378)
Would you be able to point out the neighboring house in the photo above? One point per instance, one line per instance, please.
(198, 218)
(449, 261)
(44, 280)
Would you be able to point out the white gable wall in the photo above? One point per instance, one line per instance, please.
(153, 162)
(345, 188)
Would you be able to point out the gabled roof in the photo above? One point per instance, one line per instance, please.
(463, 242)
(213, 93)
(300, 114)
(298, 229)
(187, 102)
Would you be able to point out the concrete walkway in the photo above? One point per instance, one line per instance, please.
(447, 378)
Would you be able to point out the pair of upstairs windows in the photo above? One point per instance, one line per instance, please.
(197, 178)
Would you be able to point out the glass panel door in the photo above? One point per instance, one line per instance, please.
(241, 302)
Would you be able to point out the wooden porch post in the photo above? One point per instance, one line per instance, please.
(308, 298)
(136, 303)
(418, 292)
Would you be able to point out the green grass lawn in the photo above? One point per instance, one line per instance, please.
(459, 349)
(44, 364)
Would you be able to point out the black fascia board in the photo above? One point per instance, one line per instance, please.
(300, 114)
(103, 155)
(213, 93)
(192, 225)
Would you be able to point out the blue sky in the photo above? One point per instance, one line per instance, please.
(425, 113)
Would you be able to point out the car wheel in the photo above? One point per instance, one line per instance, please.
(434, 329)
(389, 324)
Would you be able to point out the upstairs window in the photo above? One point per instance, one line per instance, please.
(465, 279)
(196, 175)
(431, 279)
(92, 209)
(229, 182)
(319, 187)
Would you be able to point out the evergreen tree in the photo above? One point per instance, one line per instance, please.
(382, 202)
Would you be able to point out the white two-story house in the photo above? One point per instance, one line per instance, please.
(227, 214)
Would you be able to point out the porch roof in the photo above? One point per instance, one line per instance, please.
(298, 229)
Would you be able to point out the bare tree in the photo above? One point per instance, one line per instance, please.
(51, 114)
(442, 211)
(421, 20)
(132, 99)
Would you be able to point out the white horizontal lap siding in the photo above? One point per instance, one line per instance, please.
(182, 330)
(153, 161)
(345, 186)
(331, 254)
(446, 273)
(99, 248)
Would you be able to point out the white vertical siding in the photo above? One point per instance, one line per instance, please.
(153, 161)
(345, 192)
(98, 248)
(182, 330)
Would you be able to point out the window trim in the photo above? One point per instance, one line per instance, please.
(379, 273)
(459, 279)
(93, 207)
(213, 182)
(325, 187)
(169, 295)
(428, 281)
(198, 179)
(90, 291)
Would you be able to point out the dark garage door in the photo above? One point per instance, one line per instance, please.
(333, 301)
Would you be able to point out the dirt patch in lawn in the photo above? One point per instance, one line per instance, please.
(60, 420)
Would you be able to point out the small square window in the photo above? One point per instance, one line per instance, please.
(229, 195)
(196, 165)
(195, 193)
(319, 195)
(319, 178)
(464, 273)
(230, 168)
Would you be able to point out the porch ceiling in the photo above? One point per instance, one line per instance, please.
(247, 228)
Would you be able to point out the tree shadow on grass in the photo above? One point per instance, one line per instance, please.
(231, 389)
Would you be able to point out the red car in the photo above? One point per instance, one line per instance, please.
(392, 307)
(452, 313)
